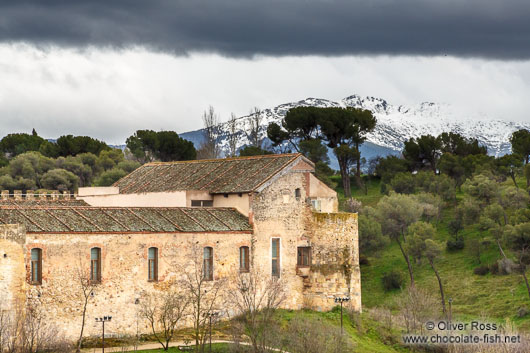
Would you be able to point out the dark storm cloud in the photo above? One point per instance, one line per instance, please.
(483, 28)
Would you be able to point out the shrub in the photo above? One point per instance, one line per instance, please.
(494, 268)
(353, 205)
(503, 267)
(522, 312)
(506, 266)
(392, 280)
(481, 270)
(363, 260)
(455, 244)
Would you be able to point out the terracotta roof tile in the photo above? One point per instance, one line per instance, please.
(217, 176)
(79, 219)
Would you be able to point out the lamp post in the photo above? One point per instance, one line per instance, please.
(210, 315)
(341, 300)
(103, 320)
(450, 309)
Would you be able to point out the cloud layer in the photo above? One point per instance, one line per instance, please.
(109, 94)
(477, 28)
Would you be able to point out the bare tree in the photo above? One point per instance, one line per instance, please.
(86, 289)
(26, 330)
(209, 149)
(232, 135)
(255, 296)
(253, 133)
(203, 293)
(164, 311)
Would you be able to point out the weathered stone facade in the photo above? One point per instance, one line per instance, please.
(281, 206)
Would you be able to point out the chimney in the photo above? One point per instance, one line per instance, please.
(5, 194)
(55, 194)
(30, 196)
(66, 195)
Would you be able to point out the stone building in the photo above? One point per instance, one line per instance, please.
(134, 237)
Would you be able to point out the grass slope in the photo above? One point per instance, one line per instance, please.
(492, 296)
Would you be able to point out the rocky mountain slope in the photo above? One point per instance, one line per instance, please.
(395, 124)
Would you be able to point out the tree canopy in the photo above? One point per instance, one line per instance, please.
(149, 145)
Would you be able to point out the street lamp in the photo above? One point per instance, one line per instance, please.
(210, 315)
(103, 320)
(341, 300)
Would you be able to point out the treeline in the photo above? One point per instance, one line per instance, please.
(481, 194)
(30, 162)
(454, 156)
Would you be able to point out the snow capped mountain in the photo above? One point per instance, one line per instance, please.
(395, 124)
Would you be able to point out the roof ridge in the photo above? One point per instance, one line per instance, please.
(224, 159)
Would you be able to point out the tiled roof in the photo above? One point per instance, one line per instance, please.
(217, 176)
(79, 219)
(30, 203)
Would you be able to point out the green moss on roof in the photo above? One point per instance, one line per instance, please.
(217, 176)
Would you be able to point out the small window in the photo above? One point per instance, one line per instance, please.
(201, 203)
(297, 193)
(225, 195)
(316, 205)
(304, 256)
(244, 264)
(36, 266)
(275, 255)
(152, 263)
(95, 265)
(208, 264)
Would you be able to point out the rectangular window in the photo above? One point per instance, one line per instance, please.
(95, 265)
(244, 265)
(201, 203)
(36, 266)
(304, 256)
(152, 262)
(208, 264)
(275, 255)
(316, 205)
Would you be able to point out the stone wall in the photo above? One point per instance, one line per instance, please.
(333, 237)
(12, 270)
(124, 273)
(335, 267)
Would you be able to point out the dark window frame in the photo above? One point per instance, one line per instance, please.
(38, 263)
(297, 193)
(152, 263)
(207, 263)
(201, 203)
(244, 259)
(97, 263)
(303, 256)
(275, 257)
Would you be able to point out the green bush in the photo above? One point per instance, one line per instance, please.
(453, 245)
(481, 270)
(392, 280)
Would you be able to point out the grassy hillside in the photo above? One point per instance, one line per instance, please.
(496, 297)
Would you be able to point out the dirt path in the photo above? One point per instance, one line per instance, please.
(145, 346)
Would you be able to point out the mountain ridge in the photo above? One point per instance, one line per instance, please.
(395, 125)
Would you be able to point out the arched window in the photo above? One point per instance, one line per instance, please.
(95, 265)
(36, 266)
(208, 264)
(244, 264)
(297, 193)
(152, 263)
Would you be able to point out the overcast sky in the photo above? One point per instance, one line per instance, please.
(107, 68)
